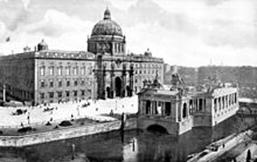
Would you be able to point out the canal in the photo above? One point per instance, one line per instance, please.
(133, 146)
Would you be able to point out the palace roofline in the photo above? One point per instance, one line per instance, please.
(63, 54)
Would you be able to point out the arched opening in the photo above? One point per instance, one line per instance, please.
(184, 112)
(129, 91)
(148, 107)
(108, 91)
(157, 129)
(118, 86)
(200, 104)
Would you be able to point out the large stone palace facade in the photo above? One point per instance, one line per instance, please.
(104, 71)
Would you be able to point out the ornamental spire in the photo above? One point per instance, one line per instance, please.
(107, 14)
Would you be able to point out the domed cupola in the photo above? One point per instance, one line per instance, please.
(107, 37)
(42, 46)
(107, 26)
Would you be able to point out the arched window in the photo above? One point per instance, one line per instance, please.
(184, 113)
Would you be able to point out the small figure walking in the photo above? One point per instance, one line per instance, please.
(28, 118)
(72, 119)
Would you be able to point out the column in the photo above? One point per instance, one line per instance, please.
(4, 93)
(123, 86)
(162, 109)
(196, 104)
(188, 109)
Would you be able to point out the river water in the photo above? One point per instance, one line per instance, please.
(133, 146)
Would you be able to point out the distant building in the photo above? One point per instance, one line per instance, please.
(178, 109)
(105, 71)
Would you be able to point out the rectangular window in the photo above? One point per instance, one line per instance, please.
(59, 71)
(67, 70)
(83, 71)
(82, 82)
(51, 83)
(82, 92)
(75, 71)
(90, 70)
(51, 94)
(60, 83)
(42, 95)
(42, 71)
(67, 93)
(75, 83)
(42, 84)
(51, 70)
(68, 83)
(59, 94)
(75, 93)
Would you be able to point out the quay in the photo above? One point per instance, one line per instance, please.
(65, 133)
(218, 148)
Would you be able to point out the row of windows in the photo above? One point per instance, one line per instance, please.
(65, 71)
(118, 47)
(61, 83)
(140, 65)
(146, 71)
(225, 101)
(60, 94)
(141, 79)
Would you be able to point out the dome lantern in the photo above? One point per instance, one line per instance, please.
(107, 14)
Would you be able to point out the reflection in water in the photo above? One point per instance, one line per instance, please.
(133, 146)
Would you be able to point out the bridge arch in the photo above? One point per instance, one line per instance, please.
(157, 128)
(245, 107)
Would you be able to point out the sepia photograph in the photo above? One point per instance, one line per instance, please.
(128, 81)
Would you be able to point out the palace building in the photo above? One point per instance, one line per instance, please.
(104, 71)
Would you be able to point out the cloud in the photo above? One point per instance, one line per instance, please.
(56, 23)
(59, 30)
(26, 3)
(182, 32)
(122, 4)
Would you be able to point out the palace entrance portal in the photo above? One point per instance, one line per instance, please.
(118, 86)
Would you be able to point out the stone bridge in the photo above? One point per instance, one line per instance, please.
(247, 108)
(164, 125)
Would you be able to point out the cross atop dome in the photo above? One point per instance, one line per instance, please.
(107, 14)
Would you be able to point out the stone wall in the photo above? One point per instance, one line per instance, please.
(66, 133)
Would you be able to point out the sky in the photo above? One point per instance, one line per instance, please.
(182, 32)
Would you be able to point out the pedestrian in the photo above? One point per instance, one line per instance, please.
(28, 118)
